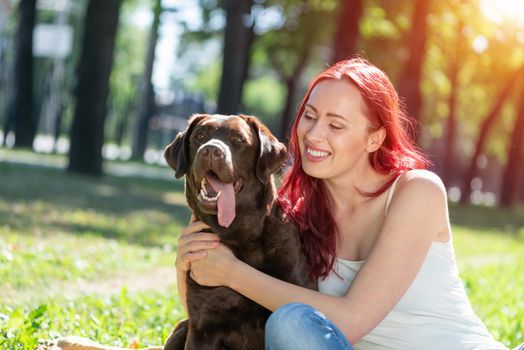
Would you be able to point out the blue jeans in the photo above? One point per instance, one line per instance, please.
(300, 327)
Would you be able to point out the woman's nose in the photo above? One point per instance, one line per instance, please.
(315, 133)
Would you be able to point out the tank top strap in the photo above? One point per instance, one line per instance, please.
(390, 194)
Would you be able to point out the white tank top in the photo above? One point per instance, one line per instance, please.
(434, 313)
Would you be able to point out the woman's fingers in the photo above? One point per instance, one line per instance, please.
(195, 246)
(184, 260)
(194, 227)
(194, 256)
(197, 237)
(193, 243)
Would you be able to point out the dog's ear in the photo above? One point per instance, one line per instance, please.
(177, 152)
(271, 153)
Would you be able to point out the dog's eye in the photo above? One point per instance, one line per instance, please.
(200, 136)
(239, 139)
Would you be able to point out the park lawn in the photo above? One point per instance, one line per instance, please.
(59, 231)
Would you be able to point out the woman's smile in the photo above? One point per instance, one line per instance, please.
(316, 155)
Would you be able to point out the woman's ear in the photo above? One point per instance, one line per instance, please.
(375, 139)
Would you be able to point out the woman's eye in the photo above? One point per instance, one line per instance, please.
(308, 116)
(336, 127)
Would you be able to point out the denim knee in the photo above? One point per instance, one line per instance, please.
(288, 319)
(301, 327)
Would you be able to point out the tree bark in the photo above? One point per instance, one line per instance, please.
(291, 85)
(454, 68)
(513, 172)
(483, 133)
(238, 38)
(147, 107)
(21, 110)
(347, 29)
(94, 69)
(409, 82)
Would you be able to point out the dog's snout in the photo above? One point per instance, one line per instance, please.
(212, 151)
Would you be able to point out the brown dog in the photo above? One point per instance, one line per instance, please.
(228, 162)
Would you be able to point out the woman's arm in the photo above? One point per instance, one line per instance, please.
(418, 213)
(415, 216)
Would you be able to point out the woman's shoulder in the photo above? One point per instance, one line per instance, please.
(421, 194)
(420, 184)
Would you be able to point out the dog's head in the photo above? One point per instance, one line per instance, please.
(228, 162)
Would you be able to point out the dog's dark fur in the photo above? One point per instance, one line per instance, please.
(260, 235)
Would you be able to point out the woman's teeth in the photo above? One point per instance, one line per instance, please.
(317, 153)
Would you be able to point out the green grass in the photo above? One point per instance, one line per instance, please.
(59, 232)
(112, 320)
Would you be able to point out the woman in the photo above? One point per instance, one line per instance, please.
(374, 228)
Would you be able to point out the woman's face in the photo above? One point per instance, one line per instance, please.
(333, 132)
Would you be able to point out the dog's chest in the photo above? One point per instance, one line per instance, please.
(221, 305)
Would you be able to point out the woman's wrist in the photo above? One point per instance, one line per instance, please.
(235, 273)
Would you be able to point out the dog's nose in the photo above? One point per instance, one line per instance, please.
(212, 151)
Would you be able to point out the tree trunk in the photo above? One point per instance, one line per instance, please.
(148, 94)
(409, 82)
(94, 69)
(291, 85)
(483, 133)
(238, 38)
(449, 168)
(513, 173)
(286, 115)
(21, 110)
(347, 29)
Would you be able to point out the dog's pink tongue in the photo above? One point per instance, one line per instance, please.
(226, 201)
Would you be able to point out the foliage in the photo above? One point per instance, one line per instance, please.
(263, 97)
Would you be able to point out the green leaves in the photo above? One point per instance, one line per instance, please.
(18, 330)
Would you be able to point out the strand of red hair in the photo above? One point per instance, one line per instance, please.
(304, 199)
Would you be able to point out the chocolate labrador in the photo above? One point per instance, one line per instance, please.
(228, 163)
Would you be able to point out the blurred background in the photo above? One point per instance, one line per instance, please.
(113, 79)
(91, 91)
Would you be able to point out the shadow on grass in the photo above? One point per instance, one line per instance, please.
(131, 208)
(490, 218)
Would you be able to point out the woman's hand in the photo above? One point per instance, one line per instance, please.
(193, 244)
(215, 269)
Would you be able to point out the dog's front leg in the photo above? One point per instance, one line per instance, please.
(201, 341)
(177, 339)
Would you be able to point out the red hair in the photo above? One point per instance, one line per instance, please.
(304, 198)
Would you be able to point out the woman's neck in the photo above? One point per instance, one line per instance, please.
(344, 191)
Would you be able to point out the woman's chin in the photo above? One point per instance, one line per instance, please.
(315, 170)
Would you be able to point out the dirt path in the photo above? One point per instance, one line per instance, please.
(160, 279)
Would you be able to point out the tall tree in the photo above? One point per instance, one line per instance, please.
(514, 170)
(94, 68)
(485, 127)
(347, 29)
(291, 82)
(454, 68)
(239, 35)
(291, 49)
(21, 108)
(410, 79)
(148, 94)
